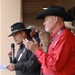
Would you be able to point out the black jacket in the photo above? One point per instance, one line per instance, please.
(27, 64)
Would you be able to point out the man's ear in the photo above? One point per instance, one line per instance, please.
(24, 34)
(55, 19)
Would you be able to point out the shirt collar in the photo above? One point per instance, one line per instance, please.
(53, 34)
(22, 46)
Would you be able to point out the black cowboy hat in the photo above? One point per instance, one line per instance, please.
(19, 26)
(55, 11)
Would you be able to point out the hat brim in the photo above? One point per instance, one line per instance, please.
(70, 26)
(51, 12)
(26, 30)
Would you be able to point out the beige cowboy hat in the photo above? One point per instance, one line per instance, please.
(68, 24)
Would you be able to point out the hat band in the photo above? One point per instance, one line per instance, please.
(17, 30)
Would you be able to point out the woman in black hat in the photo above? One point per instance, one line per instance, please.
(25, 62)
(60, 56)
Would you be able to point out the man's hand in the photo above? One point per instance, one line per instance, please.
(9, 53)
(31, 45)
(10, 67)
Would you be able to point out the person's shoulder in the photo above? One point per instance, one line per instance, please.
(66, 33)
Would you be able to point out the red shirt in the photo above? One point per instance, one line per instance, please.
(60, 59)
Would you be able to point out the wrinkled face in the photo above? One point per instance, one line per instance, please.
(49, 23)
(19, 36)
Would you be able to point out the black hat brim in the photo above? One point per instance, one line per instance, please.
(26, 30)
(51, 12)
